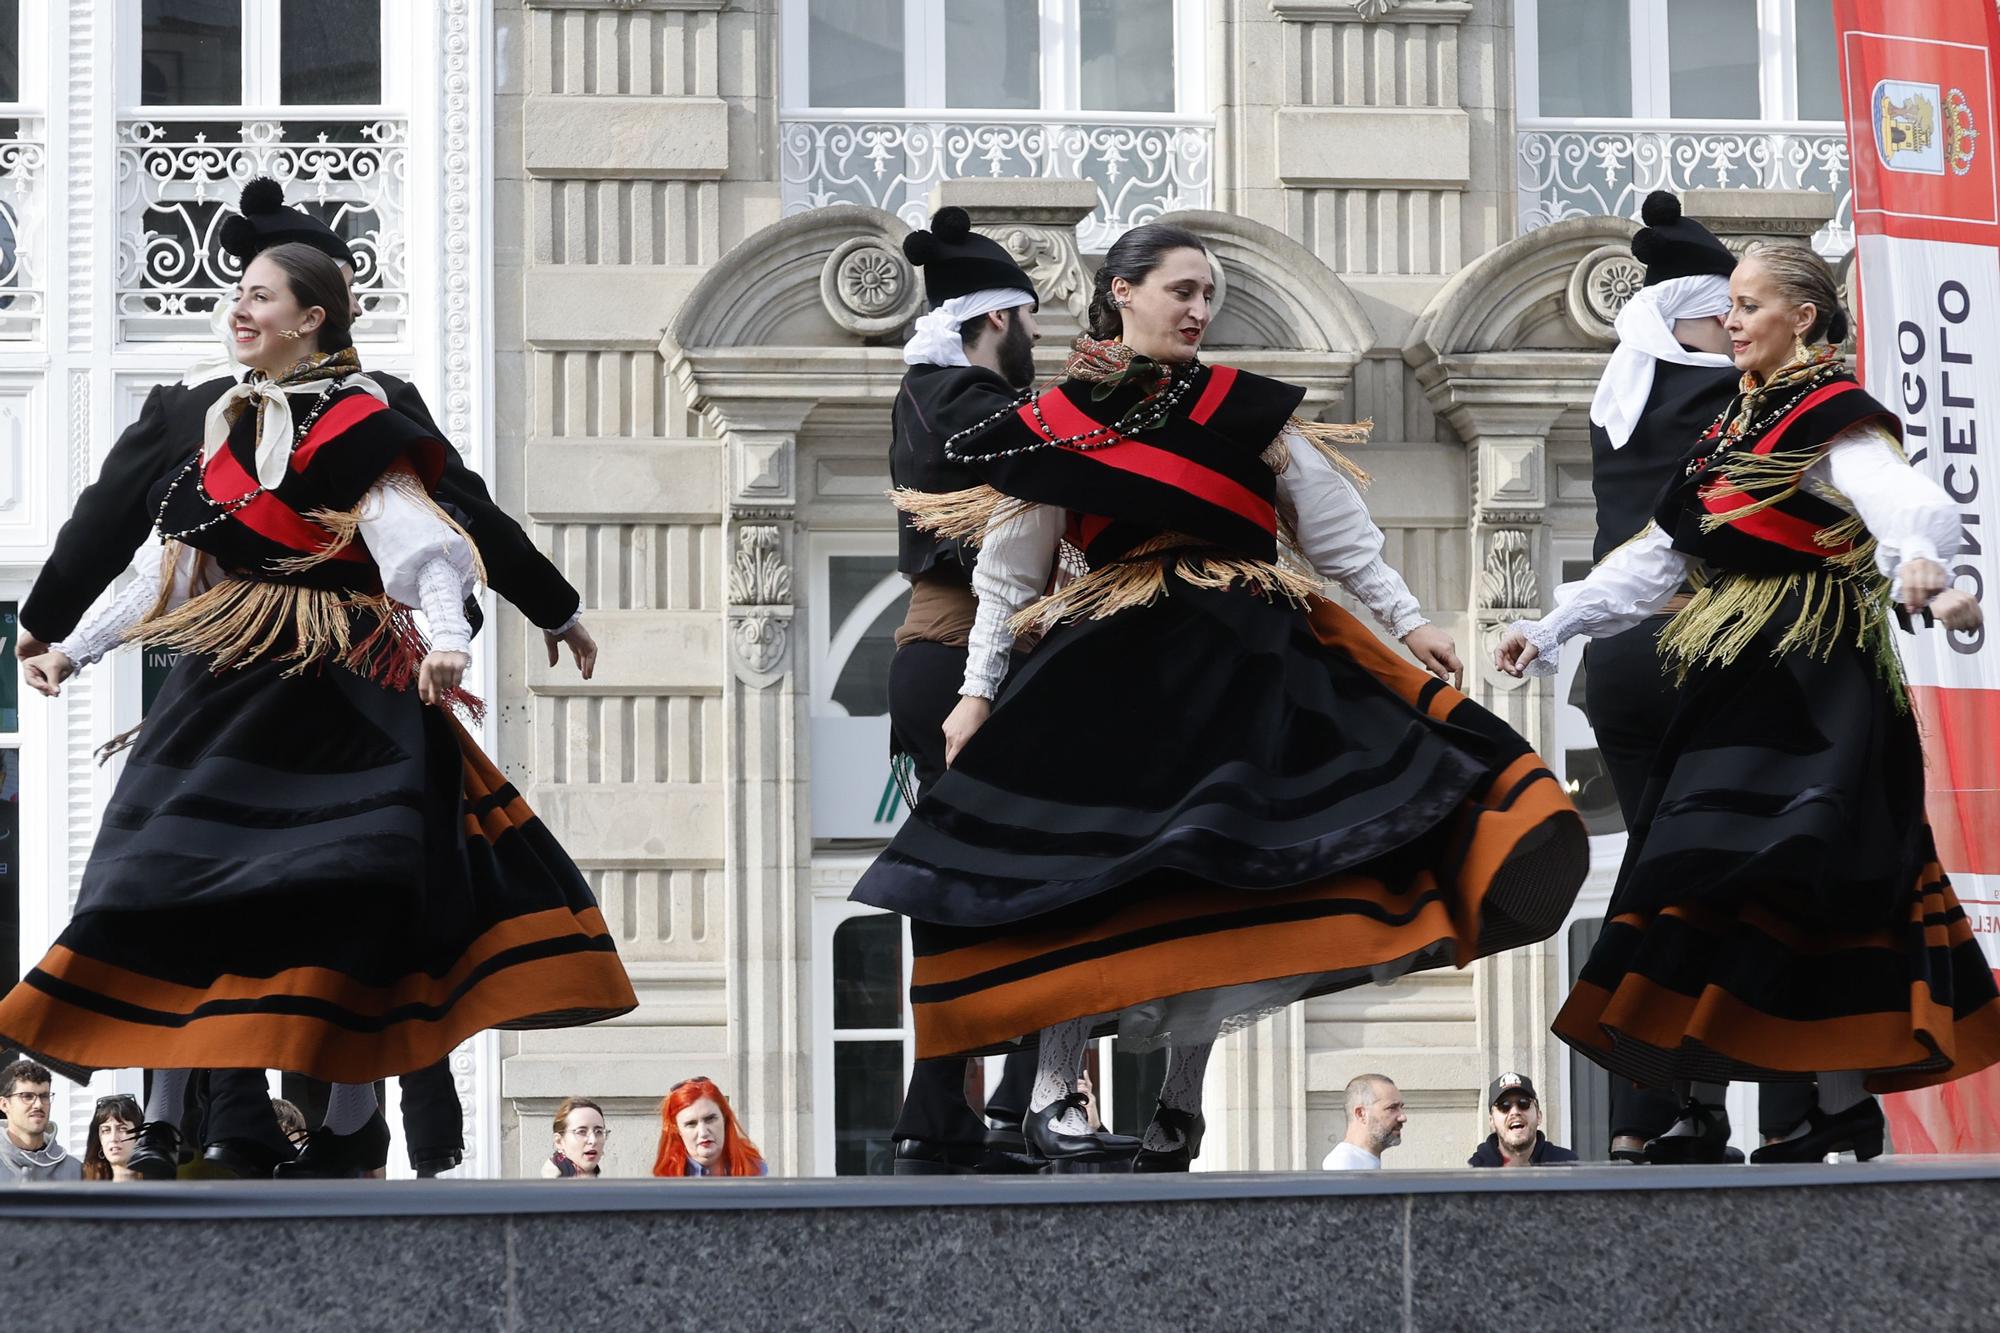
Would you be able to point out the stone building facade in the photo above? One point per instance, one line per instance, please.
(644, 256)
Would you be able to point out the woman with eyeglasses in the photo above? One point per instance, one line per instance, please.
(114, 1128)
(581, 1137)
(699, 1135)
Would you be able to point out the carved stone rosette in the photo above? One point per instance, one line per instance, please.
(869, 288)
(1602, 282)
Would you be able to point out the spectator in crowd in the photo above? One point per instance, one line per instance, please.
(1375, 1120)
(114, 1128)
(580, 1141)
(291, 1122)
(699, 1135)
(1517, 1139)
(28, 1150)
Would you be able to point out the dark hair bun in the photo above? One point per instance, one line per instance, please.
(1661, 209)
(262, 195)
(951, 225)
(920, 247)
(1836, 327)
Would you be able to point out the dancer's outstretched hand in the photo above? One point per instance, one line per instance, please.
(1922, 581)
(1435, 651)
(581, 646)
(47, 670)
(967, 718)
(1514, 653)
(440, 675)
(1955, 609)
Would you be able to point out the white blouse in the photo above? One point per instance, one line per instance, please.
(1334, 531)
(425, 564)
(1909, 515)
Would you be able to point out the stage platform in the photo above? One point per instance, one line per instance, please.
(1892, 1244)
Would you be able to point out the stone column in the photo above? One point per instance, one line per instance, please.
(768, 851)
(1036, 221)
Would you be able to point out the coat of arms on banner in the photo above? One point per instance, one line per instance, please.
(1906, 126)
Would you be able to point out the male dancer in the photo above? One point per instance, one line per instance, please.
(1669, 377)
(969, 357)
(111, 519)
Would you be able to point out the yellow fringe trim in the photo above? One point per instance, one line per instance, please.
(960, 515)
(1140, 578)
(345, 525)
(1325, 436)
(240, 621)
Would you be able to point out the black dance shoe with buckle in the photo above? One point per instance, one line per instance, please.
(1051, 1144)
(1186, 1127)
(330, 1156)
(1858, 1130)
(1707, 1146)
(157, 1153)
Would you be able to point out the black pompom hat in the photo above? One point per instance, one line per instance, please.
(957, 260)
(264, 220)
(1672, 246)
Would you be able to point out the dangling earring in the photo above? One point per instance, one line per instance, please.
(1800, 352)
(291, 334)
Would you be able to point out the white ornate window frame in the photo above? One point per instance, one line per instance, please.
(833, 877)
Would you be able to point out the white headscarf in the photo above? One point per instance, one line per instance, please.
(1646, 337)
(274, 442)
(936, 341)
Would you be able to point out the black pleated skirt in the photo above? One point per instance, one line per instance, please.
(312, 873)
(1192, 812)
(1781, 911)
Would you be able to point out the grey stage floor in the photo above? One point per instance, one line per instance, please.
(1893, 1244)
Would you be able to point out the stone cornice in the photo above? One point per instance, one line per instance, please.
(1372, 11)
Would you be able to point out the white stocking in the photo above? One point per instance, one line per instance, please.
(348, 1107)
(1056, 1068)
(1182, 1091)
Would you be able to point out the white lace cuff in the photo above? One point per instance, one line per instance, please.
(441, 591)
(104, 629)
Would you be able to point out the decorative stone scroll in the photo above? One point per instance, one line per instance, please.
(760, 597)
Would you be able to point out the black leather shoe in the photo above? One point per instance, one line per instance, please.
(1187, 1126)
(243, 1158)
(1707, 1146)
(429, 1165)
(157, 1154)
(1858, 1130)
(330, 1156)
(1054, 1145)
(922, 1157)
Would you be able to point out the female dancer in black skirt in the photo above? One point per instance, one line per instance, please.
(307, 864)
(1209, 792)
(1780, 913)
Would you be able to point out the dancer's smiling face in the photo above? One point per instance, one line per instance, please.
(264, 312)
(1764, 328)
(703, 1133)
(1165, 314)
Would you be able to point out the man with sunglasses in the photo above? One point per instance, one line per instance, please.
(1516, 1115)
(28, 1149)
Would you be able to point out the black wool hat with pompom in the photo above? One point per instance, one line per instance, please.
(1673, 246)
(263, 220)
(957, 260)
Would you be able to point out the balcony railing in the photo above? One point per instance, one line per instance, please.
(1143, 166)
(178, 178)
(23, 214)
(1608, 169)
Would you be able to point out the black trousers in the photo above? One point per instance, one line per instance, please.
(924, 680)
(239, 1108)
(1630, 698)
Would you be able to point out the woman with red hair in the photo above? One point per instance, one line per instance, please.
(699, 1135)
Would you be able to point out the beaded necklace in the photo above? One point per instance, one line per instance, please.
(1734, 424)
(228, 508)
(1149, 413)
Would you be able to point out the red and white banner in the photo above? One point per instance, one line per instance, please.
(1918, 78)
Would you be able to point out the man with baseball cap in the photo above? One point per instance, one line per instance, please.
(1517, 1140)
